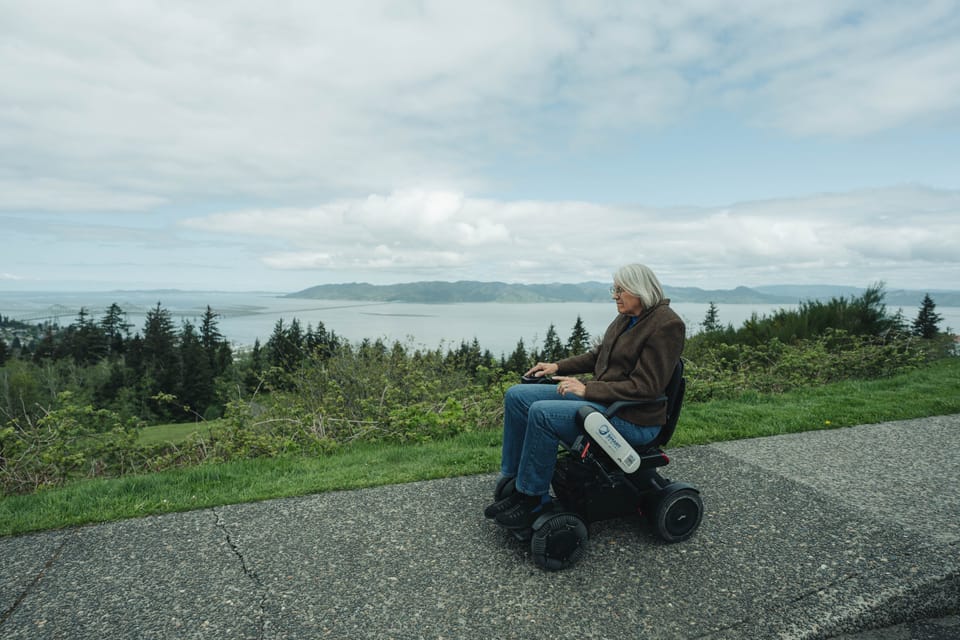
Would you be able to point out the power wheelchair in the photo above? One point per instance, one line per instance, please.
(590, 486)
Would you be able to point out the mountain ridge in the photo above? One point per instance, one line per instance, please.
(443, 292)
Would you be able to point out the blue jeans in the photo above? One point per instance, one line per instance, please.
(536, 418)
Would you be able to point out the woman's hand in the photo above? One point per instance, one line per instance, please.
(570, 385)
(542, 369)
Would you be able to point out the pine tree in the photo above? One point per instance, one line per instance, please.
(466, 358)
(195, 387)
(285, 346)
(256, 357)
(927, 323)
(518, 360)
(84, 340)
(253, 368)
(898, 323)
(711, 322)
(215, 346)
(159, 357)
(553, 349)
(116, 329)
(46, 348)
(579, 341)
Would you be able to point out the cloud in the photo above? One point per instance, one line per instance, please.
(55, 195)
(871, 69)
(405, 235)
(394, 140)
(127, 105)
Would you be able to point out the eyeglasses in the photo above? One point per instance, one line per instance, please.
(616, 290)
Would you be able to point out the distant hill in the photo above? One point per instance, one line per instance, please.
(893, 298)
(463, 291)
(437, 292)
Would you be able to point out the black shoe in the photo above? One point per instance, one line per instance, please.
(502, 505)
(523, 515)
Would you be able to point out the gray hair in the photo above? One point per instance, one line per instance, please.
(640, 280)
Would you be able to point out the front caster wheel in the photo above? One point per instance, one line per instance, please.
(559, 542)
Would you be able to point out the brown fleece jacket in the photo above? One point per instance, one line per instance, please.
(634, 363)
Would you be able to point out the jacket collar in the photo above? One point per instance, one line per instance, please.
(625, 319)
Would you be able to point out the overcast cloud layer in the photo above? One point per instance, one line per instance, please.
(252, 145)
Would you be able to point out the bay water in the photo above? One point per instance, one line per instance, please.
(246, 317)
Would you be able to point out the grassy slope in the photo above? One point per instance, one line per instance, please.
(176, 432)
(931, 391)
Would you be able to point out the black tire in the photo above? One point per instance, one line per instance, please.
(559, 543)
(678, 515)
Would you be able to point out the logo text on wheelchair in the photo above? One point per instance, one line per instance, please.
(604, 431)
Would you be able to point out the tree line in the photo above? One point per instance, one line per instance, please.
(169, 373)
(863, 315)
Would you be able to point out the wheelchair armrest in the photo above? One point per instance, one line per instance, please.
(613, 409)
(650, 457)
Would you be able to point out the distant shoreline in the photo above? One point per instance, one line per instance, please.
(500, 292)
(434, 292)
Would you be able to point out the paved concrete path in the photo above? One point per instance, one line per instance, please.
(816, 535)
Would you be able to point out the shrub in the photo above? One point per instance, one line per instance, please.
(721, 370)
(69, 442)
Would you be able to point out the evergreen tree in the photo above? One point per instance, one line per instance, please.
(195, 388)
(116, 330)
(898, 322)
(134, 354)
(553, 349)
(319, 342)
(871, 312)
(519, 360)
(252, 367)
(927, 323)
(84, 340)
(285, 346)
(46, 348)
(711, 322)
(5, 352)
(256, 357)
(109, 391)
(159, 357)
(466, 358)
(579, 341)
(215, 346)
(295, 338)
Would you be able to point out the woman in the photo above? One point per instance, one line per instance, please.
(634, 361)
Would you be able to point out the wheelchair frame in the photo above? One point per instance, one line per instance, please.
(590, 487)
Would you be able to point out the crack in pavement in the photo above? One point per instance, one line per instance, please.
(33, 583)
(247, 571)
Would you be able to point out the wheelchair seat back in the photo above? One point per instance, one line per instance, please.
(674, 393)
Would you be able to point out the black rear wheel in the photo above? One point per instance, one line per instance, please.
(678, 515)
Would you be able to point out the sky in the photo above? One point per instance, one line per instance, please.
(243, 145)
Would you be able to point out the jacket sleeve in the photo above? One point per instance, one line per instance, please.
(583, 363)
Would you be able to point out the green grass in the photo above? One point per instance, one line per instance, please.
(176, 432)
(934, 390)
